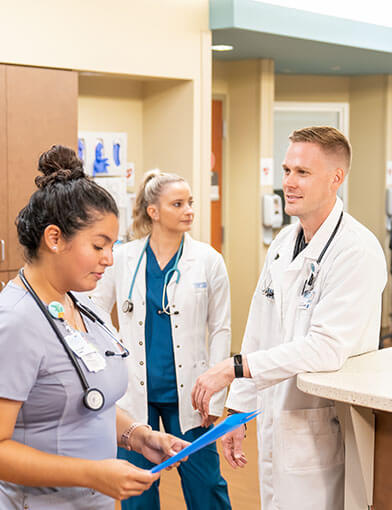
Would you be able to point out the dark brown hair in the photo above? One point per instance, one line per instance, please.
(65, 197)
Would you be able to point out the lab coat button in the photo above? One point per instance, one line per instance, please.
(140, 343)
(141, 383)
(181, 385)
(178, 346)
(179, 366)
(176, 325)
(140, 323)
(141, 362)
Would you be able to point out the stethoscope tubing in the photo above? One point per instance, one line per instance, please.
(310, 281)
(165, 308)
(53, 325)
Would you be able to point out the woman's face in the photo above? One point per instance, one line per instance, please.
(174, 211)
(84, 258)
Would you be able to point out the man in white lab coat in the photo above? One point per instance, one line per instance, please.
(317, 302)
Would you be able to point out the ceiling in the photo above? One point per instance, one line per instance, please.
(298, 41)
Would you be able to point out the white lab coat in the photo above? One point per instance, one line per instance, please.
(202, 298)
(301, 454)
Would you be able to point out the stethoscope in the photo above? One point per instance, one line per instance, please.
(93, 398)
(309, 282)
(128, 303)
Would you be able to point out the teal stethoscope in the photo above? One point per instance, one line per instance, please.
(128, 303)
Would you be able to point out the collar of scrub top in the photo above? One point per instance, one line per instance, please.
(128, 304)
(320, 238)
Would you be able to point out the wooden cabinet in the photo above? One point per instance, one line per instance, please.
(38, 109)
(3, 174)
(383, 462)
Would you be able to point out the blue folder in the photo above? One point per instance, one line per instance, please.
(230, 423)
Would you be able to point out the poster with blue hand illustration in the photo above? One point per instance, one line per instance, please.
(103, 153)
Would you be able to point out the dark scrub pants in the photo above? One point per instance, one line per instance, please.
(202, 483)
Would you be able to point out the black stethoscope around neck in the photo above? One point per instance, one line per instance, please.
(93, 398)
(309, 282)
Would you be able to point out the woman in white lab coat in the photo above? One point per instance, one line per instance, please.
(170, 291)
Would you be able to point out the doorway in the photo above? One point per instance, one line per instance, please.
(216, 174)
(289, 116)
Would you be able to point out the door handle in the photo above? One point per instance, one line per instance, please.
(2, 244)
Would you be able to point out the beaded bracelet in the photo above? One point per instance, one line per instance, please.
(125, 441)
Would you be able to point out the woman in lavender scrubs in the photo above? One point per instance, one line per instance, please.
(55, 453)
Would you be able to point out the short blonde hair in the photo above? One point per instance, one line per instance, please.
(149, 192)
(328, 138)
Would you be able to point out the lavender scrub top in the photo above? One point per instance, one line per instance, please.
(36, 370)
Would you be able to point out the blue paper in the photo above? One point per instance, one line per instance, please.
(230, 423)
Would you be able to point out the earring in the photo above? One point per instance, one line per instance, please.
(54, 248)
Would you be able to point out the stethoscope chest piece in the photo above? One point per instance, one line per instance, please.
(127, 306)
(93, 399)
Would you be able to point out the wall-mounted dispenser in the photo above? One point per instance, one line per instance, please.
(272, 215)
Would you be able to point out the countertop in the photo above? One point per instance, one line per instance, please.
(364, 380)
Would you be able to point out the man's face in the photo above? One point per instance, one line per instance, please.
(311, 180)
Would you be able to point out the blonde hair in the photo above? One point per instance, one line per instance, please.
(329, 139)
(149, 192)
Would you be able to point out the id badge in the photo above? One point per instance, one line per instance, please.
(306, 300)
(94, 361)
(86, 351)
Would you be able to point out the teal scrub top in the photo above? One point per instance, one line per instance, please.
(161, 374)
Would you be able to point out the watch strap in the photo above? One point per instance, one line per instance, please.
(238, 367)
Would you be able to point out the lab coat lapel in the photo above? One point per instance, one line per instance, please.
(184, 264)
(278, 267)
(139, 289)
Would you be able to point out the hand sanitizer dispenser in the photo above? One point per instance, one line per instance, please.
(272, 215)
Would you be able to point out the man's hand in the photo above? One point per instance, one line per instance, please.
(212, 381)
(232, 447)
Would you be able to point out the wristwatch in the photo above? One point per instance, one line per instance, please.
(238, 367)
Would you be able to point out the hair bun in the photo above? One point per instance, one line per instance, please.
(59, 164)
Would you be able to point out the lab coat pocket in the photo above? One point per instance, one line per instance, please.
(310, 439)
(200, 296)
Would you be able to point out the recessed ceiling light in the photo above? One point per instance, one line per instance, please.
(222, 47)
(336, 68)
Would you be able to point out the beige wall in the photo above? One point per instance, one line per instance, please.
(139, 40)
(137, 37)
(113, 104)
(246, 88)
(368, 114)
(312, 88)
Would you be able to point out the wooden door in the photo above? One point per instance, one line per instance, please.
(41, 112)
(3, 175)
(216, 169)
